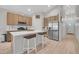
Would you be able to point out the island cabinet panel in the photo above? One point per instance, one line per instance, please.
(9, 37)
(12, 19)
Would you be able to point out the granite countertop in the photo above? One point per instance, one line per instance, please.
(18, 33)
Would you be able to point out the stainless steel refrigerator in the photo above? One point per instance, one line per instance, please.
(53, 31)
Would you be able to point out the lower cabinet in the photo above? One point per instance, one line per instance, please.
(2, 38)
(9, 37)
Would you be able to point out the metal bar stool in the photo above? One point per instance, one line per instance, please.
(28, 37)
(42, 33)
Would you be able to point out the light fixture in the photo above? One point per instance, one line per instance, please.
(29, 9)
(49, 5)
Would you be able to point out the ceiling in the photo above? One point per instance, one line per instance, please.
(24, 8)
(35, 9)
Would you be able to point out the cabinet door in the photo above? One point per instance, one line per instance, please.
(15, 19)
(12, 19)
(29, 21)
(54, 18)
(9, 37)
(20, 18)
(26, 20)
(45, 22)
(9, 18)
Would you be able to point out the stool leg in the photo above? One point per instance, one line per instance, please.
(28, 46)
(23, 45)
(35, 45)
(42, 41)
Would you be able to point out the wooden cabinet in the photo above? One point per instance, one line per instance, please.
(9, 18)
(50, 19)
(45, 22)
(26, 20)
(14, 19)
(53, 19)
(22, 19)
(56, 19)
(9, 37)
(29, 21)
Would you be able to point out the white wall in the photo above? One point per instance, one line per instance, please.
(54, 12)
(37, 23)
(70, 25)
(69, 18)
(77, 31)
(2, 23)
(62, 31)
(2, 19)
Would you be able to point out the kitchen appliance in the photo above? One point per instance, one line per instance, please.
(21, 23)
(53, 31)
(5, 37)
(22, 28)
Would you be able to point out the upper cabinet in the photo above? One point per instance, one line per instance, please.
(29, 21)
(50, 19)
(21, 19)
(45, 21)
(14, 19)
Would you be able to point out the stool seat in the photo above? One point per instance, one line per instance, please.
(30, 36)
(42, 33)
(27, 37)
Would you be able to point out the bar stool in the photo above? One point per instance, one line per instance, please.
(42, 33)
(28, 37)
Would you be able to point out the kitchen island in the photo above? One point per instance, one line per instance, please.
(18, 44)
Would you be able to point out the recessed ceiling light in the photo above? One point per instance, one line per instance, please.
(49, 5)
(29, 9)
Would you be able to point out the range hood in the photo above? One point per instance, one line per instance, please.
(21, 23)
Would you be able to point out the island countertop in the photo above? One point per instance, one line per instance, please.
(18, 33)
(19, 43)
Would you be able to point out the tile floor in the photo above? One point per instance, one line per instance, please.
(68, 45)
